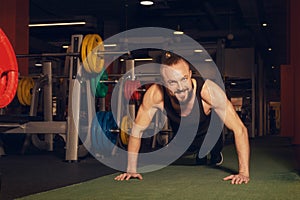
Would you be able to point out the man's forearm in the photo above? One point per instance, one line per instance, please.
(243, 151)
(133, 149)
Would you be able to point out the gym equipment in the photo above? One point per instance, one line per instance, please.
(24, 91)
(36, 125)
(91, 62)
(126, 125)
(99, 89)
(131, 91)
(48, 126)
(8, 71)
(91, 53)
(103, 137)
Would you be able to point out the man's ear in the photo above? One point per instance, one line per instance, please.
(190, 74)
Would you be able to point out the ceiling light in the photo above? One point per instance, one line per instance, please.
(65, 46)
(178, 31)
(269, 49)
(38, 64)
(143, 59)
(233, 83)
(146, 3)
(208, 60)
(198, 50)
(57, 24)
(110, 45)
(230, 36)
(264, 24)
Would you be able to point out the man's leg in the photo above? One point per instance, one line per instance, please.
(216, 153)
(199, 140)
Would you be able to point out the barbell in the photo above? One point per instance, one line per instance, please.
(99, 89)
(92, 51)
(92, 62)
(126, 126)
(103, 138)
(131, 90)
(24, 91)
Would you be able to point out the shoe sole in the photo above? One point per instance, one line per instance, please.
(220, 163)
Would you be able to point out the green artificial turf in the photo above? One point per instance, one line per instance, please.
(273, 176)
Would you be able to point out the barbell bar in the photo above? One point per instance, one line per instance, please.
(77, 54)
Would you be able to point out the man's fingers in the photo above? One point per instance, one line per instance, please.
(228, 178)
(237, 179)
(139, 176)
(127, 176)
(121, 177)
(246, 181)
(117, 177)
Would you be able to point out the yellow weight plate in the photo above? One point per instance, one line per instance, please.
(99, 59)
(84, 53)
(95, 63)
(19, 92)
(23, 91)
(27, 87)
(125, 125)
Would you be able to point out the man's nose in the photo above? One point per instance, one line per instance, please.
(180, 86)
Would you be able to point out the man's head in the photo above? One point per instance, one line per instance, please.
(176, 75)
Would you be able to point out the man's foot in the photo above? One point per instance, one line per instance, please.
(201, 161)
(216, 160)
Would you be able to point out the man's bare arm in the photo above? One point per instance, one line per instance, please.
(216, 97)
(151, 102)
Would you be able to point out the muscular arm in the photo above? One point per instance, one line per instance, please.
(142, 121)
(151, 102)
(216, 98)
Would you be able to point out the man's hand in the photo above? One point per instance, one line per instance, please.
(127, 176)
(237, 179)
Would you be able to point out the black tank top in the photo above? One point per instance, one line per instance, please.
(193, 118)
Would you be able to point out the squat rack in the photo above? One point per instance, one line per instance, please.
(48, 126)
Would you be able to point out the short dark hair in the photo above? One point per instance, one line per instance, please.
(170, 58)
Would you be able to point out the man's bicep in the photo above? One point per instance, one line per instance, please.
(216, 97)
(144, 115)
(151, 103)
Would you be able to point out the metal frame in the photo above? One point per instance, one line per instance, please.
(68, 128)
(48, 126)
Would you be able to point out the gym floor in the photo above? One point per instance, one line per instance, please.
(39, 171)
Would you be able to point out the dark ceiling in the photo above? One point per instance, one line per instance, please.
(203, 20)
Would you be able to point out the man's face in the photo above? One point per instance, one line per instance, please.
(177, 79)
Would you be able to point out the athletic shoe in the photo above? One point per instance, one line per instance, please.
(201, 161)
(216, 160)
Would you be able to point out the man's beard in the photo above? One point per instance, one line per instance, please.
(189, 97)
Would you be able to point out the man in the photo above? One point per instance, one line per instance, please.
(177, 99)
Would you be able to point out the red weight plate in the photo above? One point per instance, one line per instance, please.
(8, 68)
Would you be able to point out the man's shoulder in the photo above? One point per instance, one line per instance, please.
(156, 86)
(155, 93)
